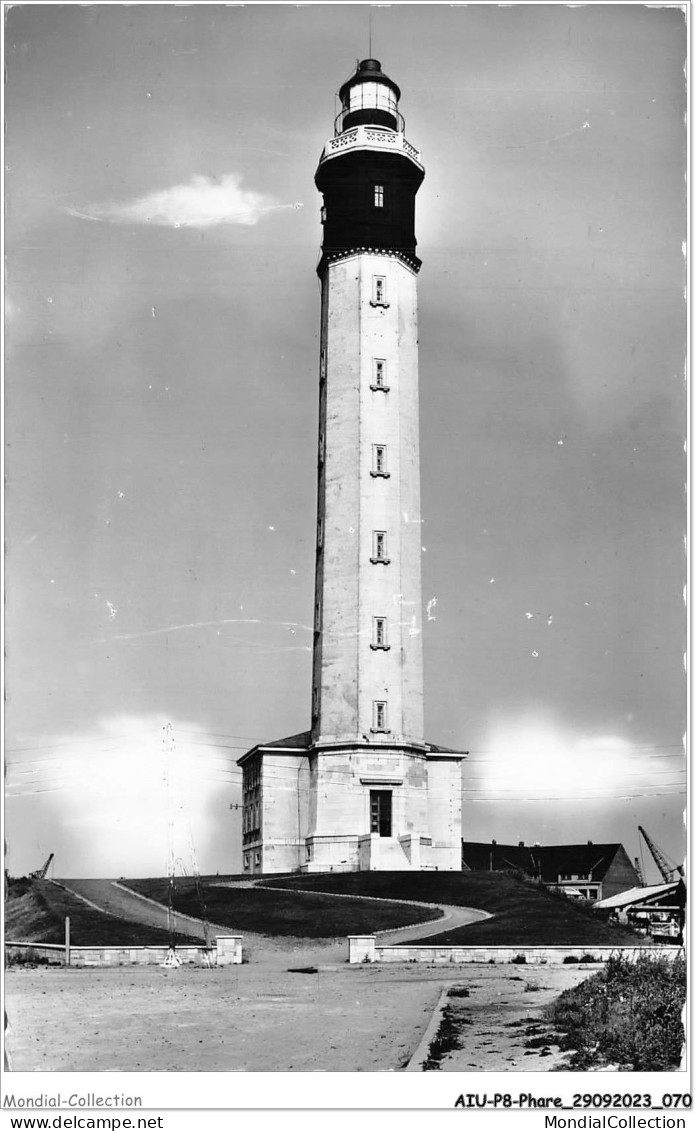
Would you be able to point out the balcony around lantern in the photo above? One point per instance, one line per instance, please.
(376, 138)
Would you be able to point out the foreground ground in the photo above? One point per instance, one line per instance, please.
(262, 1017)
(294, 1006)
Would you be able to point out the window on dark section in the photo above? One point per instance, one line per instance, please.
(380, 811)
(378, 196)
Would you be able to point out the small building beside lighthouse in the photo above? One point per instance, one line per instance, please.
(361, 788)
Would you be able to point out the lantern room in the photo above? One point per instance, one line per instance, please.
(369, 97)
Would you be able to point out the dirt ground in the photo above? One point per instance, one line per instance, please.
(504, 1011)
(262, 1017)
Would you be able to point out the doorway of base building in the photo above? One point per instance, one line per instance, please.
(380, 811)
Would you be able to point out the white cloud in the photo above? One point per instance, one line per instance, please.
(536, 756)
(202, 203)
(120, 799)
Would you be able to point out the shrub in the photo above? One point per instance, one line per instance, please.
(25, 958)
(628, 1014)
(519, 960)
(447, 1039)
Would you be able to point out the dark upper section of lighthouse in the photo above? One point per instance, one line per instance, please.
(368, 173)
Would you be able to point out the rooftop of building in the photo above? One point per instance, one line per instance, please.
(548, 861)
(302, 742)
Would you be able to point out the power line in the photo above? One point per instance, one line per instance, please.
(74, 741)
(501, 761)
(612, 797)
(672, 789)
(254, 741)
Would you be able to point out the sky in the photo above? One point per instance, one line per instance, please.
(161, 382)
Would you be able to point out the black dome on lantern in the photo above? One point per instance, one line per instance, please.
(369, 70)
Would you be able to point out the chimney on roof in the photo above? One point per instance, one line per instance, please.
(494, 841)
(521, 844)
(590, 843)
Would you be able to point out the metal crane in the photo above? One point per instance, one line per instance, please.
(40, 873)
(668, 874)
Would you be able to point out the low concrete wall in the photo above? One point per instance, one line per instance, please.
(226, 951)
(363, 948)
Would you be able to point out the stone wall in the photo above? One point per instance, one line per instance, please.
(364, 948)
(226, 952)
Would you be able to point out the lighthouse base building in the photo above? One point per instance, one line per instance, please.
(350, 808)
(362, 789)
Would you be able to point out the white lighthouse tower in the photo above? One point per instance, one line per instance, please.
(362, 789)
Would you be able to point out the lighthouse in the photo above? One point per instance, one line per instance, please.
(362, 789)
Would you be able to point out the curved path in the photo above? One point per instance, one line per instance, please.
(110, 896)
(453, 917)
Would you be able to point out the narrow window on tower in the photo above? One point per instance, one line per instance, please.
(319, 533)
(379, 461)
(315, 703)
(379, 553)
(322, 447)
(379, 375)
(323, 214)
(322, 365)
(378, 196)
(317, 617)
(379, 638)
(378, 291)
(380, 719)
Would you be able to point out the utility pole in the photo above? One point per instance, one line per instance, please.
(172, 958)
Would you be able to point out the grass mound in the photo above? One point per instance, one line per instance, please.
(524, 913)
(36, 913)
(629, 1014)
(295, 913)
